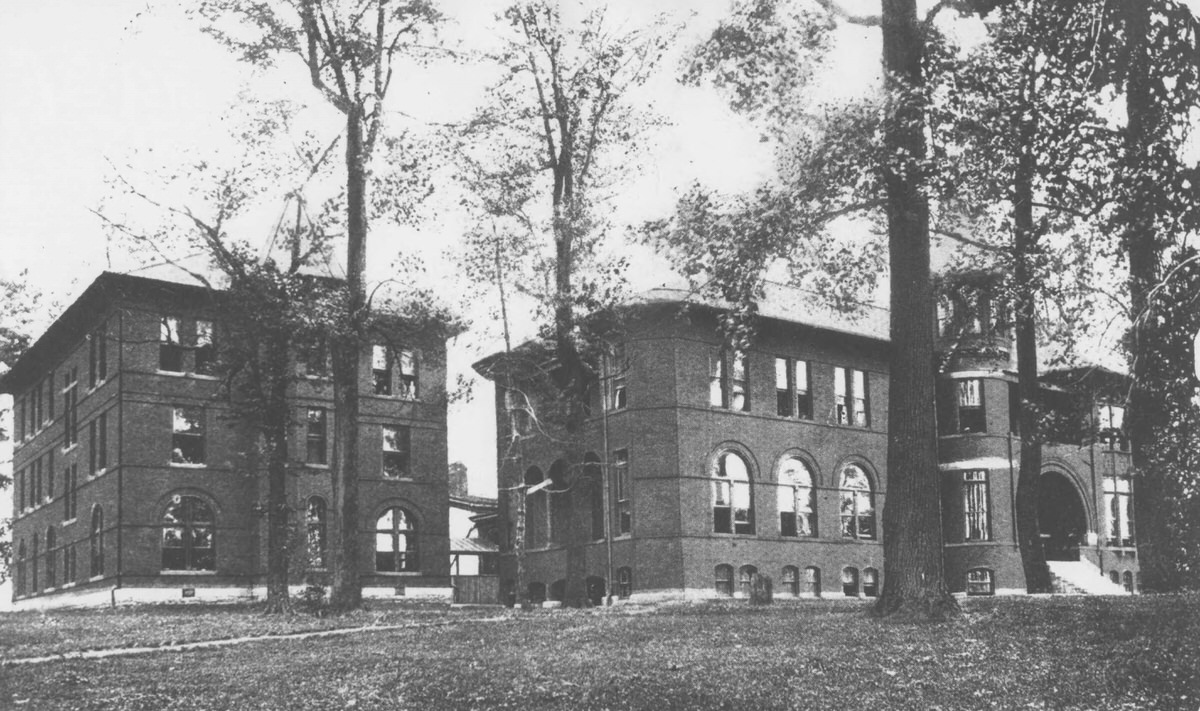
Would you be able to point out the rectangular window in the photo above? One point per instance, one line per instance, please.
(19, 490)
(407, 361)
(187, 435)
(314, 357)
(792, 394)
(98, 444)
(50, 475)
(977, 523)
(1118, 510)
(21, 419)
(728, 381)
(397, 441)
(971, 416)
(35, 414)
(851, 397)
(381, 369)
(980, 582)
(205, 355)
(170, 346)
(71, 409)
(97, 357)
(70, 480)
(618, 371)
(316, 438)
(622, 492)
(1110, 425)
(37, 482)
(50, 397)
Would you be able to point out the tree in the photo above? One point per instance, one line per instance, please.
(844, 161)
(350, 51)
(21, 307)
(268, 304)
(1021, 150)
(556, 127)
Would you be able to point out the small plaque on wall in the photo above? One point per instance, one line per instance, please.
(189, 592)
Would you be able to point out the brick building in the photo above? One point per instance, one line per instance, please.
(773, 460)
(133, 483)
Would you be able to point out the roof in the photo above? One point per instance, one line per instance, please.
(472, 546)
(477, 504)
(108, 289)
(784, 302)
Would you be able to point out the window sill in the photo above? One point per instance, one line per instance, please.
(188, 465)
(94, 578)
(172, 373)
(187, 572)
(398, 573)
(314, 465)
(100, 472)
(203, 376)
(70, 448)
(68, 522)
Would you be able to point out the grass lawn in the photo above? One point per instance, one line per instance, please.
(1057, 653)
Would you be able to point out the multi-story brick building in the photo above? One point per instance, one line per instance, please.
(773, 460)
(133, 482)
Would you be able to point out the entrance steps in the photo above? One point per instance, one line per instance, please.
(1081, 577)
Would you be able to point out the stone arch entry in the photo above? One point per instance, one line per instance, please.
(1062, 521)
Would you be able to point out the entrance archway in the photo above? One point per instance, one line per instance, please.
(1061, 518)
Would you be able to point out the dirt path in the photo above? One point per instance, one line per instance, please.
(214, 643)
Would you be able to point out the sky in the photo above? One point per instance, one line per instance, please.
(91, 88)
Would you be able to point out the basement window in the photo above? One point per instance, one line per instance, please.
(980, 581)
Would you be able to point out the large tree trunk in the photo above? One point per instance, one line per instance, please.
(1143, 414)
(346, 590)
(1033, 557)
(913, 581)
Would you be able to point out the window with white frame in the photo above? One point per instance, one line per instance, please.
(728, 381)
(170, 345)
(980, 581)
(797, 499)
(407, 362)
(316, 436)
(187, 435)
(623, 491)
(381, 369)
(793, 395)
(851, 397)
(732, 500)
(971, 415)
(976, 518)
(189, 539)
(850, 582)
(1110, 423)
(395, 541)
(857, 503)
(397, 454)
(870, 582)
(1118, 509)
(790, 581)
(724, 579)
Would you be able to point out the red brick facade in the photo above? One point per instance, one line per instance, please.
(142, 482)
(674, 431)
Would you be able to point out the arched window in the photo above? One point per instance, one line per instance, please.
(790, 581)
(536, 511)
(980, 581)
(189, 539)
(19, 583)
(857, 503)
(724, 576)
(870, 581)
(1115, 576)
(624, 582)
(558, 590)
(557, 497)
(314, 527)
(592, 479)
(797, 501)
(812, 581)
(33, 566)
(850, 582)
(537, 592)
(1127, 579)
(745, 575)
(96, 542)
(732, 502)
(395, 541)
(51, 557)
